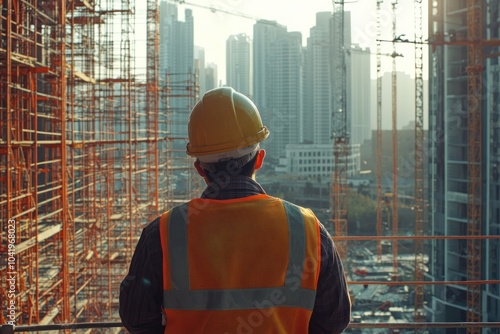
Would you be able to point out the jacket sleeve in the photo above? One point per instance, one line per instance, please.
(332, 308)
(141, 291)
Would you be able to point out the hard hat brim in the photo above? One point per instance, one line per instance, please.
(225, 147)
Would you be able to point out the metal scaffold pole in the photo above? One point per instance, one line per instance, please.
(395, 168)
(152, 61)
(379, 134)
(419, 208)
(474, 156)
(181, 94)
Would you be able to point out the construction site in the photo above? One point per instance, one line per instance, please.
(88, 157)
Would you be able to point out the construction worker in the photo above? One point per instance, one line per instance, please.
(234, 260)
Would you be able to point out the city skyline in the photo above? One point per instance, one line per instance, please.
(212, 28)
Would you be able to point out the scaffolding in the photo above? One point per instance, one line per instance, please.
(84, 154)
(33, 156)
(180, 95)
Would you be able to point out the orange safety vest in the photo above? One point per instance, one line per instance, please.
(239, 266)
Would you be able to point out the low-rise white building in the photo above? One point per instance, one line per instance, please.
(313, 160)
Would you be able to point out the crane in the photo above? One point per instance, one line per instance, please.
(340, 134)
(395, 208)
(214, 9)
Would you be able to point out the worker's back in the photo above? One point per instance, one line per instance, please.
(236, 265)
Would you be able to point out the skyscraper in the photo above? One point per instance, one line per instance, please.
(211, 76)
(168, 15)
(176, 60)
(238, 63)
(277, 56)
(452, 174)
(318, 83)
(199, 59)
(323, 86)
(176, 40)
(323, 83)
(360, 91)
(265, 33)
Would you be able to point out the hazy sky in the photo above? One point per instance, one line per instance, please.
(213, 28)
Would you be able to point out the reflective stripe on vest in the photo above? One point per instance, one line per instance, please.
(180, 297)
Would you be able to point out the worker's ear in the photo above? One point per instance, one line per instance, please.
(259, 161)
(199, 169)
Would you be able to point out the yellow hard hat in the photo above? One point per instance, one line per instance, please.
(222, 121)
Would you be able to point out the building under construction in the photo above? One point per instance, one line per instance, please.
(465, 189)
(88, 156)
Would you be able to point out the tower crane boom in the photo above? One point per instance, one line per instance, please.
(214, 9)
